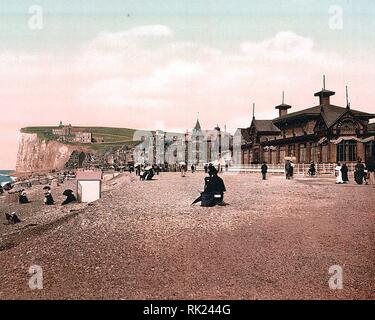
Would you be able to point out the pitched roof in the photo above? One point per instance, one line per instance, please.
(265, 126)
(330, 113)
(245, 134)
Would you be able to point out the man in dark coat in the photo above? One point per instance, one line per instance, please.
(264, 170)
(288, 166)
(344, 173)
(312, 170)
(359, 172)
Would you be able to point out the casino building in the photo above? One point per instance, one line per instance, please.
(325, 133)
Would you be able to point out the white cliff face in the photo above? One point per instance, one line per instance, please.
(35, 154)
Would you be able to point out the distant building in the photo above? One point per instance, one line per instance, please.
(204, 146)
(325, 133)
(82, 137)
(65, 133)
(62, 130)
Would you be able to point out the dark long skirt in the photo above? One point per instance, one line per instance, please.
(358, 177)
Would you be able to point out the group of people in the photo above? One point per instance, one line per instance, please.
(48, 198)
(362, 173)
(147, 172)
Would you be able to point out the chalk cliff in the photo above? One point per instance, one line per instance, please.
(36, 154)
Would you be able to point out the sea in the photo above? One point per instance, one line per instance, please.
(5, 176)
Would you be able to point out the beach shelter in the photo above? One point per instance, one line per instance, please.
(89, 185)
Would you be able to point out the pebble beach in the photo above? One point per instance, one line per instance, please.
(143, 240)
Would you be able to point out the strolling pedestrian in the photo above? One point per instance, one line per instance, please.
(264, 170)
(183, 170)
(312, 170)
(370, 165)
(359, 172)
(338, 173)
(344, 173)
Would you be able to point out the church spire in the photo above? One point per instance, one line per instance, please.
(197, 126)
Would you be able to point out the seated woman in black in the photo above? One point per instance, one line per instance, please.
(214, 188)
(23, 197)
(48, 199)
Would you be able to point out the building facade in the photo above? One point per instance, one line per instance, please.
(325, 133)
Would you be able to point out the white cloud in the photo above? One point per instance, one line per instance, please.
(148, 69)
(288, 46)
(130, 72)
(150, 31)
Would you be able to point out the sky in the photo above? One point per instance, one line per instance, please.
(160, 64)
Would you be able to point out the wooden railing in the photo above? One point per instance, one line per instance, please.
(299, 169)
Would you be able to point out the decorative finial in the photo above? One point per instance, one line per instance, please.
(283, 97)
(347, 98)
(253, 110)
(324, 81)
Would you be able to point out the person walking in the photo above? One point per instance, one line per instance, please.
(264, 170)
(338, 173)
(287, 169)
(291, 173)
(192, 168)
(370, 165)
(344, 173)
(183, 170)
(359, 172)
(312, 170)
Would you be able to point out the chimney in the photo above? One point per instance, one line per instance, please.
(283, 108)
(324, 95)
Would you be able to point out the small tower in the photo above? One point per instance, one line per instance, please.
(324, 95)
(283, 108)
(197, 126)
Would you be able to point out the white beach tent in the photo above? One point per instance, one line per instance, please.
(89, 185)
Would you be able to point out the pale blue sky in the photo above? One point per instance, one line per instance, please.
(221, 23)
(81, 68)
